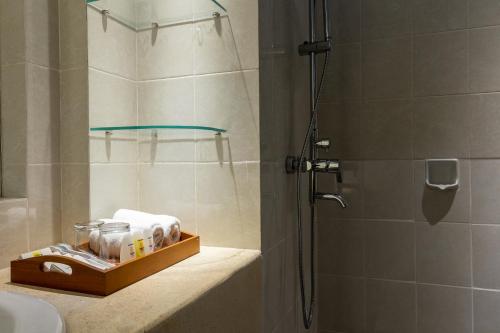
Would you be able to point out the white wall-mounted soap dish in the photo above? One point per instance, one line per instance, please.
(442, 174)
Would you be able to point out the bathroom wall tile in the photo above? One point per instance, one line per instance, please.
(439, 15)
(484, 13)
(343, 75)
(111, 46)
(390, 307)
(442, 206)
(274, 279)
(13, 230)
(444, 309)
(73, 34)
(444, 254)
(169, 53)
(169, 189)
(228, 43)
(440, 64)
(485, 182)
(484, 63)
(75, 204)
(386, 130)
(43, 101)
(387, 68)
(14, 114)
(42, 32)
(341, 124)
(145, 10)
(229, 101)
(274, 201)
(485, 248)
(342, 304)
(281, 106)
(442, 126)
(390, 250)
(351, 187)
(347, 17)
(486, 304)
(385, 18)
(167, 102)
(228, 207)
(112, 186)
(13, 180)
(388, 182)
(112, 102)
(12, 33)
(74, 116)
(44, 205)
(291, 279)
(485, 127)
(341, 247)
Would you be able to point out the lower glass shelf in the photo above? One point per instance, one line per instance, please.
(157, 127)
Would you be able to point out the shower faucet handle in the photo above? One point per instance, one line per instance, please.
(323, 144)
(329, 166)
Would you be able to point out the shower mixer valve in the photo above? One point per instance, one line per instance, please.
(293, 164)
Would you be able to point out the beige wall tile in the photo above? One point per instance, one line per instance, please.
(112, 46)
(485, 175)
(14, 114)
(229, 43)
(169, 189)
(44, 205)
(112, 186)
(485, 246)
(13, 230)
(167, 102)
(169, 54)
(12, 32)
(228, 101)
(73, 34)
(112, 102)
(43, 126)
(74, 116)
(486, 304)
(228, 205)
(75, 205)
(42, 32)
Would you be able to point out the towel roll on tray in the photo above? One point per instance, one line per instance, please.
(157, 230)
(166, 229)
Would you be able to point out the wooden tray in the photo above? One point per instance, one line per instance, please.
(90, 280)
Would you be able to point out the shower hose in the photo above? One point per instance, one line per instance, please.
(307, 311)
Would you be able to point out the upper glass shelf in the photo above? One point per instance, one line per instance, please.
(147, 14)
(157, 127)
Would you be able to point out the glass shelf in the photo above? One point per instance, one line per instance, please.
(142, 15)
(157, 127)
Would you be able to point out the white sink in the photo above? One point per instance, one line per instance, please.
(26, 314)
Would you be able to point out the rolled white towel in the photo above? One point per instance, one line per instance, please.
(94, 241)
(170, 225)
(117, 246)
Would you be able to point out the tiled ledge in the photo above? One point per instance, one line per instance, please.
(218, 290)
